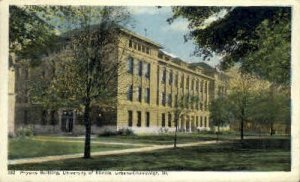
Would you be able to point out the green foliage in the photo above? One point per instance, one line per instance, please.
(271, 106)
(220, 111)
(24, 132)
(31, 34)
(256, 37)
(121, 132)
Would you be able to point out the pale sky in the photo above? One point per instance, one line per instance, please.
(169, 36)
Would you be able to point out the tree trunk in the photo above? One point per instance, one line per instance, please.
(87, 143)
(175, 137)
(242, 129)
(271, 128)
(218, 131)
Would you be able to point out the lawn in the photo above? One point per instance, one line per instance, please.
(159, 139)
(251, 155)
(28, 147)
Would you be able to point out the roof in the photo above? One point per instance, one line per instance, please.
(140, 37)
(203, 65)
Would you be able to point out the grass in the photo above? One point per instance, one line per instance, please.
(27, 147)
(160, 139)
(251, 155)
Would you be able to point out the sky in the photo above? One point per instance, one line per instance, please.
(170, 36)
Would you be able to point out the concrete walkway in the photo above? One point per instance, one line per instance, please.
(106, 153)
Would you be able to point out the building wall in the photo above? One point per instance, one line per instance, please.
(145, 116)
(129, 109)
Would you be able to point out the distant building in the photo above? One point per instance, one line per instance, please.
(154, 80)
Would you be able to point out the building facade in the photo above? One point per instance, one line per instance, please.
(150, 85)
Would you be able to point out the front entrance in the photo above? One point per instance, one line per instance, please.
(67, 120)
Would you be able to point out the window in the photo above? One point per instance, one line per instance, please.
(182, 80)
(139, 47)
(160, 55)
(140, 71)
(43, 74)
(169, 100)
(197, 85)
(130, 118)
(147, 50)
(25, 117)
(205, 122)
(187, 83)
(171, 78)
(44, 117)
(26, 73)
(130, 65)
(147, 95)
(176, 100)
(169, 120)
(197, 121)
(26, 95)
(201, 86)
(163, 98)
(139, 119)
(52, 117)
(147, 72)
(176, 80)
(193, 83)
(201, 121)
(139, 96)
(163, 120)
(147, 119)
(130, 43)
(129, 92)
(143, 48)
(135, 45)
(164, 74)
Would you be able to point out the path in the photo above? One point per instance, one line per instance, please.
(94, 142)
(105, 153)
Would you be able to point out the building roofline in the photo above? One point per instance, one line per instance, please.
(129, 32)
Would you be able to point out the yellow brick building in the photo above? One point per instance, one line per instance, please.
(150, 84)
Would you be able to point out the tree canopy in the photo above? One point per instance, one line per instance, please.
(256, 37)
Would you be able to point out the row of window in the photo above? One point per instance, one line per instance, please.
(139, 47)
(199, 85)
(139, 119)
(203, 120)
(139, 94)
(192, 102)
(141, 67)
(44, 115)
(169, 124)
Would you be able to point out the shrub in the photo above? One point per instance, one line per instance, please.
(25, 132)
(163, 130)
(108, 133)
(125, 132)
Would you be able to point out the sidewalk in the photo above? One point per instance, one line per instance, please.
(105, 153)
(94, 142)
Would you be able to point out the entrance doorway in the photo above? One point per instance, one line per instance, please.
(67, 121)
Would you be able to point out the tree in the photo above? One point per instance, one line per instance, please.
(183, 106)
(220, 113)
(244, 35)
(242, 88)
(271, 107)
(86, 71)
(33, 30)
